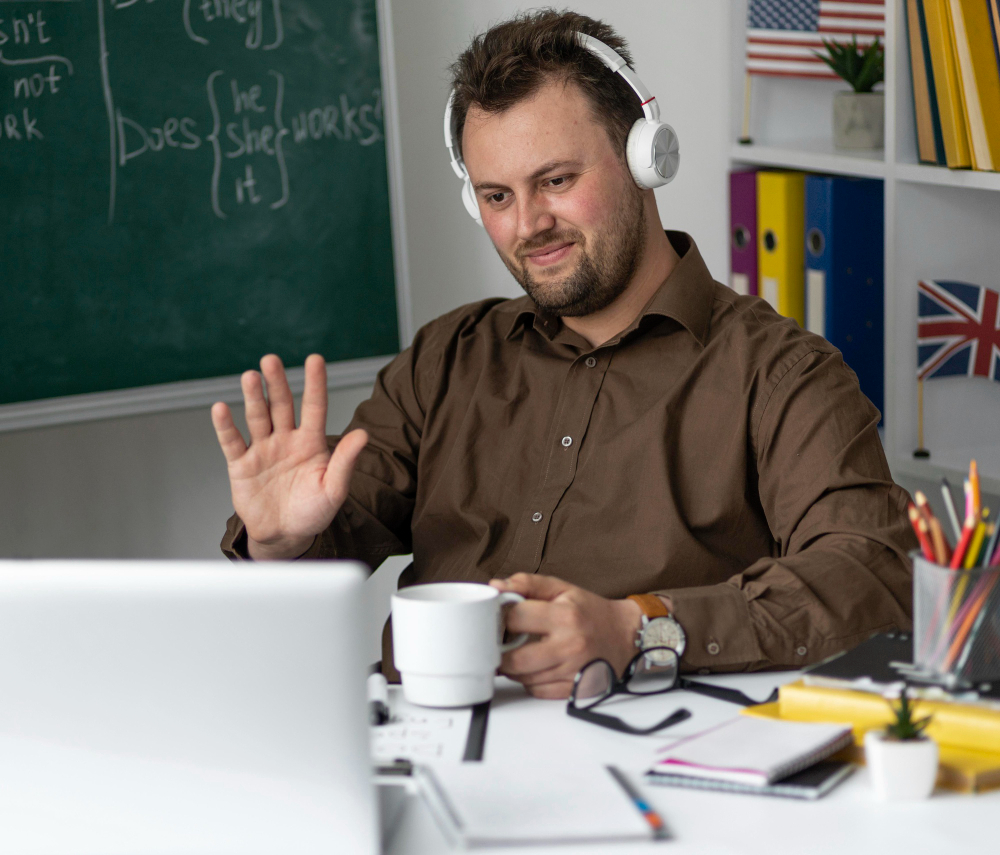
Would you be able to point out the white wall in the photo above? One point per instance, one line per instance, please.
(155, 486)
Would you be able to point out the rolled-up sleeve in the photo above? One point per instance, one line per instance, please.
(841, 570)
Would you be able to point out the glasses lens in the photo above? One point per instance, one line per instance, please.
(593, 684)
(655, 671)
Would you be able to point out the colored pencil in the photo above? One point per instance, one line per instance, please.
(949, 505)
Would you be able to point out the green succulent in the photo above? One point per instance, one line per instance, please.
(861, 67)
(905, 726)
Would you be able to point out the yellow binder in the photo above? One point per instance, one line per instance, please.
(781, 241)
(946, 84)
(980, 78)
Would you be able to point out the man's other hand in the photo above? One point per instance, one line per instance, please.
(286, 485)
(574, 626)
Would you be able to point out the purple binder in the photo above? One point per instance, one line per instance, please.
(743, 231)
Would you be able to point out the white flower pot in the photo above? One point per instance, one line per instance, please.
(901, 771)
(859, 120)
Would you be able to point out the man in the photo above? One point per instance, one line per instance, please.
(629, 427)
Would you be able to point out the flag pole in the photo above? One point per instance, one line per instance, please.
(745, 136)
(920, 452)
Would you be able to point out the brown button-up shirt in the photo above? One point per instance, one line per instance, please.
(712, 452)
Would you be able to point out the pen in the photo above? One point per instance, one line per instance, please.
(651, 816)
(378, 699)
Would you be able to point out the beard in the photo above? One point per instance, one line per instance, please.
(606, 266)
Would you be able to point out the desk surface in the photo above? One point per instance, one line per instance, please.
(539, 735)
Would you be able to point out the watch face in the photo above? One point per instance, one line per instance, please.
(663, 632)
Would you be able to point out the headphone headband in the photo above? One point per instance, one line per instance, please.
(651, 150)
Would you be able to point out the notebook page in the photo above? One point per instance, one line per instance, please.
(753, 750)
(494, 803)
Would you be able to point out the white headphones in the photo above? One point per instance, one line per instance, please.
(651, 151)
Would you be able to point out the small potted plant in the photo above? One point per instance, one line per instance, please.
(902, 759)
(859, 115)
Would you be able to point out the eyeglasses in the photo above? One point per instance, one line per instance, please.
(650, 672)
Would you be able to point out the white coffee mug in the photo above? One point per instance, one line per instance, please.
(446, 640)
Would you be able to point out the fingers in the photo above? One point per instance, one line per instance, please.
(338, 471)
(533, 586)
(314, 399)
(279, 396)
(257, 413)
(532, 616)
(230, 439)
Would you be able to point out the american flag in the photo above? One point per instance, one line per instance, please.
(958, 330)
(782, 34)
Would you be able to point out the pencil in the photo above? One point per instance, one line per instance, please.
(920, 527)
(949, 505)
(655, 821)
(942, 552)
(987, 556)
(974, 482)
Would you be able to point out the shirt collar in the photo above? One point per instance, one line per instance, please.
(685, 295)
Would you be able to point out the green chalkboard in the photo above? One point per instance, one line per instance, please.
(186, 185)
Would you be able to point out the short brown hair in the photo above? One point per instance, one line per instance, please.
(513, 59)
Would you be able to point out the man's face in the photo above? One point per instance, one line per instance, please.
(556, 200)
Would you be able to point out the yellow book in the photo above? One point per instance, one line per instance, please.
(959, 725)
(921, 91)
(980, 78)
(946, 84)
(962, 769)
(781, 242)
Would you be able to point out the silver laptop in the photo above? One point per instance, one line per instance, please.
(151, 707)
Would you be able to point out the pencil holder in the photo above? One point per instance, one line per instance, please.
(956, 623)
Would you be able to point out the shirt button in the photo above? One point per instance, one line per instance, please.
(801, 651)
(713, 648)
(536, 517)
(591, 362)
(567, 441)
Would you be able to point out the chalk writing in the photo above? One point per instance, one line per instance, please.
(199, 15)
(237, 132)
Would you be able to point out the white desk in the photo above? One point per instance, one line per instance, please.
(848, 821)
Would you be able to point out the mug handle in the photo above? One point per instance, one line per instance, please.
(508, 598)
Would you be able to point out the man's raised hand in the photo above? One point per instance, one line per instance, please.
(286, 485)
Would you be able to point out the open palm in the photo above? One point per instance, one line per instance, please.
(286, 485)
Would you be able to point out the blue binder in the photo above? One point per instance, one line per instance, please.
(845, 300)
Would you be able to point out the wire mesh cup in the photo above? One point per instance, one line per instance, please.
(956, 622)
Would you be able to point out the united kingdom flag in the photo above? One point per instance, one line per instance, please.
(958, 330)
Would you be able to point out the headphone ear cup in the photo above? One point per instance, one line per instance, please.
(653, 153)
(470, 201)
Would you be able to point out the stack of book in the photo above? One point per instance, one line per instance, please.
(850, 688)
(955, 67)
(813, 246)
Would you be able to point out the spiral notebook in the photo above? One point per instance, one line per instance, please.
(500, 804)
(754, 751)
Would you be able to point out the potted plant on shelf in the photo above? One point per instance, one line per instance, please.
(859, 115)
(902, 759)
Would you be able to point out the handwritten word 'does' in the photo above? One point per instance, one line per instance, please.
(134, 139)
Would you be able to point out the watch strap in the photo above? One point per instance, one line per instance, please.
(652, 606)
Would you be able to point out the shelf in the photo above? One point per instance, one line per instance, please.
(920, 173)
(813, 156)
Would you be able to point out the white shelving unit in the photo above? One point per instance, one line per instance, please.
(939, 224)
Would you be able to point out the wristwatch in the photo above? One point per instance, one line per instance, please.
(658, 629)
